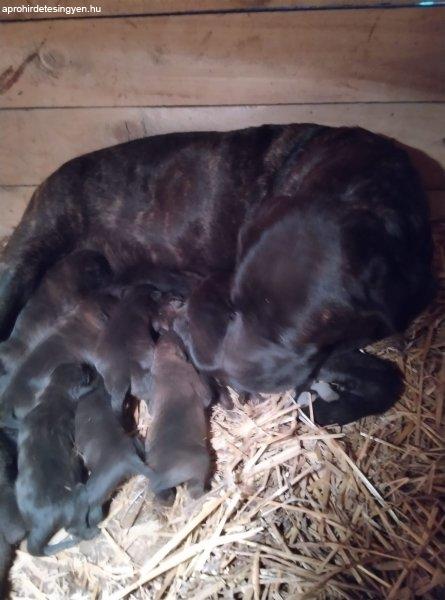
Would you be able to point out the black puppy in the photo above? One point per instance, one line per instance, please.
(50, 493)
(12, 528)
(177, 451)
(62, 288)
(74, 340)
(108, 452)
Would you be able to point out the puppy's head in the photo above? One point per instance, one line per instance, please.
(82, 272)
(76, 378)
(140, 300)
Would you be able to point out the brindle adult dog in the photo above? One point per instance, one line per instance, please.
(314, 241)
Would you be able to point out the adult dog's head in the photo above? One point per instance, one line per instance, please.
(262, 329)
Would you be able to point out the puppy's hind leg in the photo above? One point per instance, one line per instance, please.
(52, 549)
(137, 465)
(6, 558)
(366, 385)
(38, 538)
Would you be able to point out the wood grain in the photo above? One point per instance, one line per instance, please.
(36, 142)
(157, 7)
(255, 58)
(13, 201)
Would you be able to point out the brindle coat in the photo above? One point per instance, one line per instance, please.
(322, 235)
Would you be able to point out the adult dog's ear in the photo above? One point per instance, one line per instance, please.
(261, 220)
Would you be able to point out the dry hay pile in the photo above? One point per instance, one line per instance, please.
(294, 511)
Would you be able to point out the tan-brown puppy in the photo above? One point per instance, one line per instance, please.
(177, 451)
(125, 349)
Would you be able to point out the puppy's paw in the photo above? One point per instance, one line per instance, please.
(95, 516)
(195, 489)
(166, 497)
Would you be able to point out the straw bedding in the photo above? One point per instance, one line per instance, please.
(295, 511)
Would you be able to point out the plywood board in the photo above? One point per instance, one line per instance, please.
(254, 58)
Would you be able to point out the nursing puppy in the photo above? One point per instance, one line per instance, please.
(74, 340)
(177, 452)
(108, 452)
(62, 288)
(50, 493)
(11, 524)
(125, 349)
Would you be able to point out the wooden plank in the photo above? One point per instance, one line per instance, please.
(59, 9)
(14, 200)
(255, 58)
(36, 142)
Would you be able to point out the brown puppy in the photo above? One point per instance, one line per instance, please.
(63, 287)
(12, 529)
(124, 352)
(50, 493)
(177, 451)
(108, 452)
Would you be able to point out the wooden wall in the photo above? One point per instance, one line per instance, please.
(69, 85)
